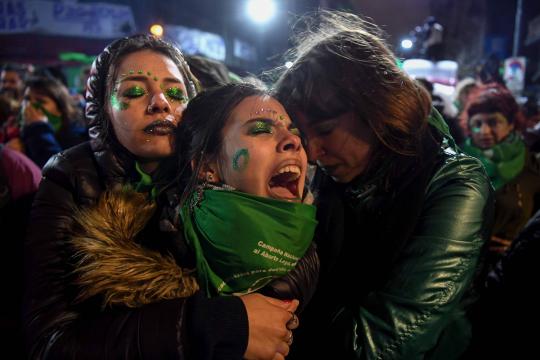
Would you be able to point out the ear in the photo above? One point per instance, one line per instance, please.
(208, 171)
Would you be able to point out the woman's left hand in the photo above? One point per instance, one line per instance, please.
(32, 115)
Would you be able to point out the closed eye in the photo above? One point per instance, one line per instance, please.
(134, 92)
(261, 127)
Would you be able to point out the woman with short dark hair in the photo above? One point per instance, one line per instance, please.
(402, 213)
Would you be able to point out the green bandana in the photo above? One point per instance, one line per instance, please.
(145, 184)
(242, 241)
(54, 120)
(503, 162)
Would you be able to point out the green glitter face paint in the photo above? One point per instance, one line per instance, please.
(134, 92)
(155, 78)
(117, 104)
(131, 72)
(240, 160)
(140, 72)
(175, 93)
(148, 73)
(261, 127)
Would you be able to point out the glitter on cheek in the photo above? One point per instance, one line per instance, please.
(117, 104)
(240, 160)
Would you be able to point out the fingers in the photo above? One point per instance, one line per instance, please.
(289, 305)
(289, 339)
(283, 349)
(294, 322)
(31, 114)
(498, 240)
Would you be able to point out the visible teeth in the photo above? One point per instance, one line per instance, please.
(290, 168)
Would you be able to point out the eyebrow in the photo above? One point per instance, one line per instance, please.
(266, 120)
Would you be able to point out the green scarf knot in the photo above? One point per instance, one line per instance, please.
(145, 184)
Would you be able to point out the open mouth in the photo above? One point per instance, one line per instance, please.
(285, 183)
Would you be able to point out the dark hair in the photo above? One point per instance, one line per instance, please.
(341, 64)
(199, 135)
(59, 94)
(209, 72)
(492, 98)
(19, 69)
(105, 70)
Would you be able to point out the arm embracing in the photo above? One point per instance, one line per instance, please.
(434, 269)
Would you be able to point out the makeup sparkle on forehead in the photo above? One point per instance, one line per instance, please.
(148, 73)
(263, 111)
(140, 72)
(131, 72)
(240, 160)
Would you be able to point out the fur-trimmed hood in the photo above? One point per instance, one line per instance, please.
(110, 263)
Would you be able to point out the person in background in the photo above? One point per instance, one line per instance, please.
(51, 121)
(9, 128)
(12, 81)
(492, 115)
(508, 302)
(403, 214)
(209, 72)
(438, 104)
(137, 91)
(19, 180)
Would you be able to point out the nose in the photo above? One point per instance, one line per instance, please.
(289, 142)
(485, 128)
(159, 104)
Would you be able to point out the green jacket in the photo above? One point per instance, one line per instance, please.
(395, 266)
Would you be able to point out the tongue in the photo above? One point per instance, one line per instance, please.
(282, 187)
(282, 192)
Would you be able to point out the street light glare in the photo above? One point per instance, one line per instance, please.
(406, 44)
(261, 11)
(156, 30)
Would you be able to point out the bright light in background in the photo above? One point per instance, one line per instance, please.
(156, 30)
(261, 11)
(406, 43)
(288, 64)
